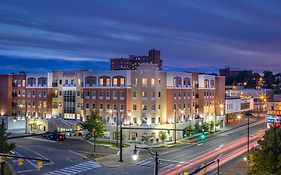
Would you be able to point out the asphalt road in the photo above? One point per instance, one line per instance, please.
(63, 154)
(174, 159)
(67, 160)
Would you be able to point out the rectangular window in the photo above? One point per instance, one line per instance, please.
(159, 94)
(94, 94)
(101, 81)
(122, 94)
(153, 94)
(122, 81)
(23, 83)
(66, 82)
(152, 120)
(152, 81)
(135, 120)
(144, 81)
(114, 94)
(135, 81)
(135, 94)
(72, 82)
(108, 81)
(144, 94)
(115, 81)
(101, 94)
(101, 106)
(135, 107)
(153, 107)
(107, 94)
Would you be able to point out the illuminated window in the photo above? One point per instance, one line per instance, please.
(101, 81)
(23, 83)
(79, 82)
(45, 104)
(115, 81)
(144, 94)
(122, 81)
(152, 81)
(144, 81)
(107, 81)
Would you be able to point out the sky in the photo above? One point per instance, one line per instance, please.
(197, 35)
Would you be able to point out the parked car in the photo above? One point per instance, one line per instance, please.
(46, 134)
(56, 136)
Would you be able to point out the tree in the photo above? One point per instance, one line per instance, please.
(267, 158)
(205, 126)
(197, 127)
(212, 125)
(163, 136)
(94, 121)
(189, 130)
(7, 146)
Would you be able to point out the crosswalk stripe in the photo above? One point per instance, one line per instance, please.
(71, 170)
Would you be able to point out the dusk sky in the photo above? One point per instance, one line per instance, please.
(42, 35)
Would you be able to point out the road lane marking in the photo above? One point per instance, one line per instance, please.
(34, 152)
(26, 159)
(75, 169)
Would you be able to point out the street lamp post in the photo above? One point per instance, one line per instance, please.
(154, 155)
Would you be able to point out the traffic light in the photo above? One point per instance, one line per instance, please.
(20, 162)
(1, 159)
(94, 130)
(202, 136)
(39, 164)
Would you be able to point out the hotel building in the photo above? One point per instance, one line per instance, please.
(145, 97)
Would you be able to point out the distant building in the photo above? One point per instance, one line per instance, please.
(227, 71)
(134, 61)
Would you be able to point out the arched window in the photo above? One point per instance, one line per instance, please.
(206, 83)
(104, 81)
(212, 82)
(118, 81)
(177, 82)
(31, 81)
(187, 82)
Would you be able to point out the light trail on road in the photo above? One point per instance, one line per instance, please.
(227, 151)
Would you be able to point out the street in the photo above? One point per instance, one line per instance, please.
(64, 154)
(66, 157)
